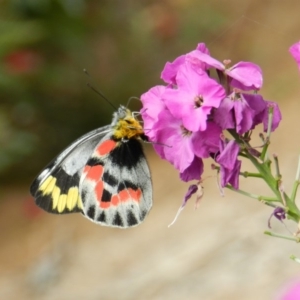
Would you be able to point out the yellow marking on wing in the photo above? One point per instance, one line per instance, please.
(61, 205)
(61, 202)
(79, 203)
(55, 196)
(72, 197)
(48, 190)
(44, 185)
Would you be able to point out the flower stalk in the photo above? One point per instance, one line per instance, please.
(285, 237)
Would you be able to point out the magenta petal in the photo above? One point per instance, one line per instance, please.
(152, 106)
(152, 101)
(256, 102)
(206, 142)
(244, 115)
(233, 177)
(184, 153)
(179, 102)
(177, 147)
(191, 191)
(194, 171)
(189, 79)
(223, 115)
(202, 48)
(166, 129)
(170, 70)
(228, 156)
(291, 291)
(198, 58)
(295, 52)
(191, 86)
(258, 105)
(276, 116)
(212, 92)
(200, 85)
(197, 119)
(246, 75)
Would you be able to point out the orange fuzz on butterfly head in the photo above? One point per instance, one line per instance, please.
(126, 126)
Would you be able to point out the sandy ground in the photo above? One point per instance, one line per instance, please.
(216, 252)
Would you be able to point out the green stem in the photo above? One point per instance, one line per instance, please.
(285, 237)
(296, 183)
(265, 171)
(294, 258)
(265, 150)
(266, 175)
(278, 175)
(249, 174)
(263, 199)
(274, 184)
(257, 197)
(268, 135)
(270, 120)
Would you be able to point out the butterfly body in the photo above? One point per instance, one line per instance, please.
(104, 175)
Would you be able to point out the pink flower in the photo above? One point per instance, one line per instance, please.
(244, 111)
(194, 171)
(292, 291)
(194, 98)
(152, 106)
(229, 165)
(235, 112)
(183, 148)
(295, 51)
(228, 154)
(244, 75)
(170, 70)
(279, 213)
(258, 105)
(231, 176)
(276, 116)
(191, 191)
(184, 119)
(177, 147)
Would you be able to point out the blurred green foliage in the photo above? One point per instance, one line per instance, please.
(45, 45)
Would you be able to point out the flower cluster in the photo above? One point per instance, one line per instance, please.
(186, 118)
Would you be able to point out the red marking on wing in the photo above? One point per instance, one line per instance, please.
(135, 195)
(106, 147)
(115, 200)
(94, 173)
(105, 204)
(99, 191)
(126, 195)
(122, 196)
(86, 169)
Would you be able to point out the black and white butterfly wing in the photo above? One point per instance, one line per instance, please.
(116, 186)
(56, 189)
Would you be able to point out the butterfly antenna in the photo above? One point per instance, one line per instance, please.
(132, 98)
(98, 92)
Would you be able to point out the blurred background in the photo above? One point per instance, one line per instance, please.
(216, 252)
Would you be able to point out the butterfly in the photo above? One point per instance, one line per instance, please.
(104, 175)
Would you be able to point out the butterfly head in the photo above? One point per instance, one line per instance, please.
(126, 126)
